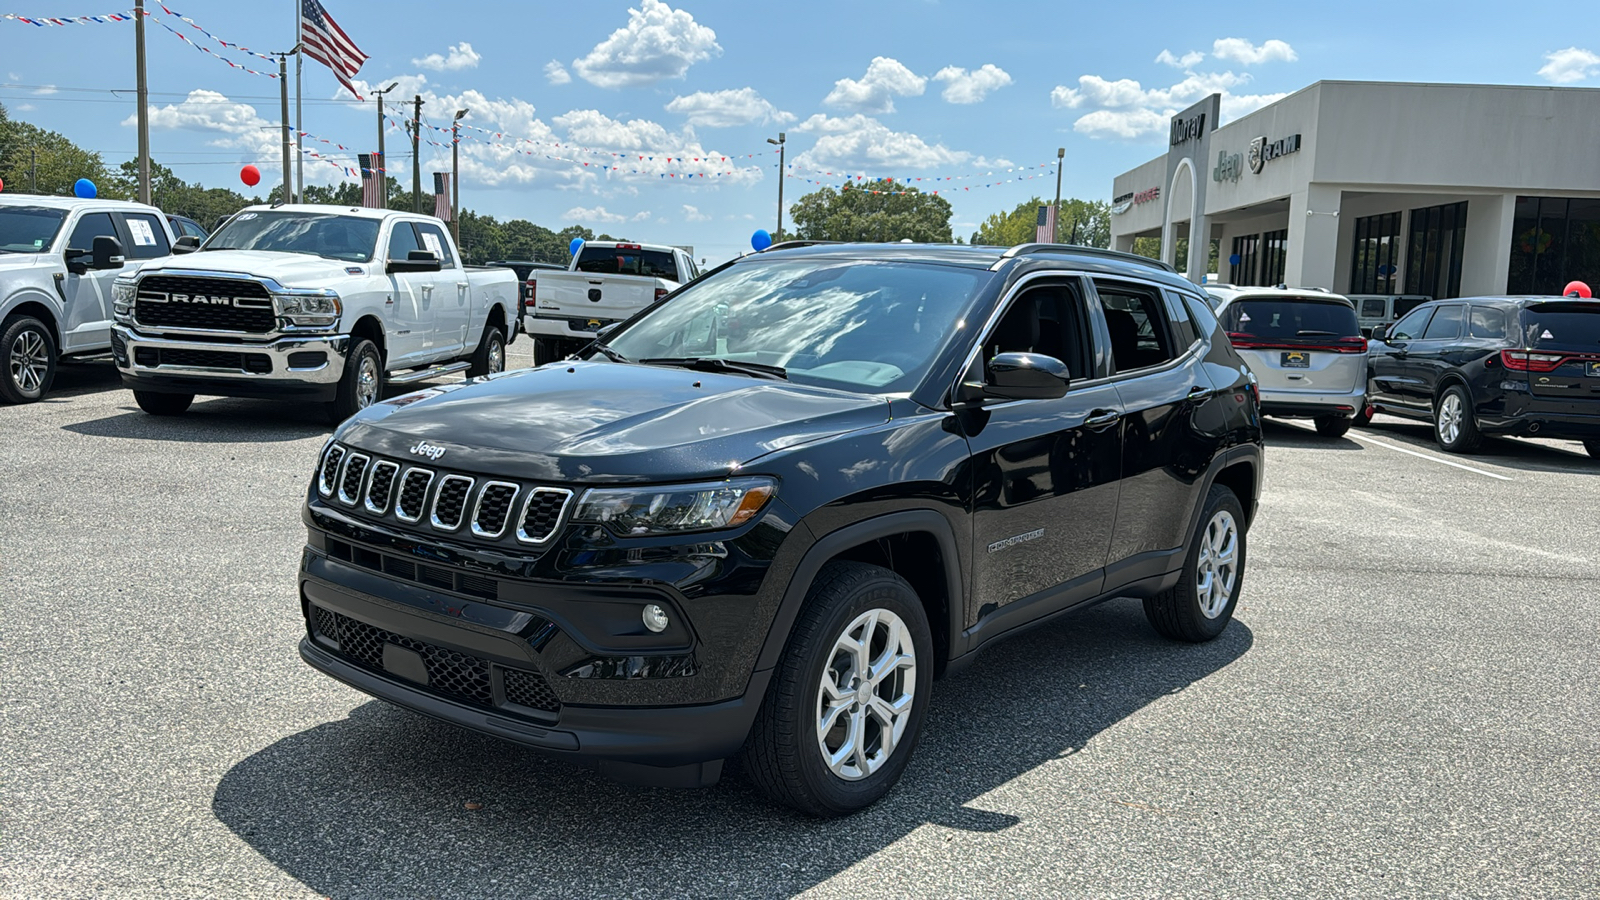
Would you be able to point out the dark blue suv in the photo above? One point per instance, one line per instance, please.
(1492, 365)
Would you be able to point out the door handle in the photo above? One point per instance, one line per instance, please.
(1101, 419)
(1197, 390)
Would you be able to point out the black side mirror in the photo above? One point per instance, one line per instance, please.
(1026, 376)
(107, 253)
(1380, 333)
(186, 244)
(77, 260)
(415, 261)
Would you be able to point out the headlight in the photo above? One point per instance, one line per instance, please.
(678, 508)
(310, 308)
(123, 290)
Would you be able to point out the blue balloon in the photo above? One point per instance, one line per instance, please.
(761, 240)
(85, 188)
(1234, 259)
(575, 246)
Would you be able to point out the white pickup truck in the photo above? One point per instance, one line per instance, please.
(58, 258)
(304, 302)
(607, 282)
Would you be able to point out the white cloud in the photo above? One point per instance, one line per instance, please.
(555, 73)
(876, 90)
(971, 87)
(1236, 105)
(693, 214)
(1245, 53)
(45, 90)
(862, 144)
(459, 57)
(406, 87)
(1122, 123)
(1128, 110)
(725, 109)
(237, 126)
(25, 107)
(658, 43)
(1567, 66)
(1187, 61)
(603, 215)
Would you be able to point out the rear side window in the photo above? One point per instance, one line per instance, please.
(1182, 327)
(1446, 324)
(1205, 318)
(149, 238)
(627, 261)
(1562, 325)
(1372, 308)
(1488, 322)
(1135, 316)
(1291, 317)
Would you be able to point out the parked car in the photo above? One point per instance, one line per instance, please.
(1493, 365)
(1305, 346)
(183, 226)
(1373, 310)
(525, 269)
(311, 303)
(58, 257)
(606, 283)
(761, 518)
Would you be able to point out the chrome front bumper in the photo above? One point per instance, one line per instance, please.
(127, 343)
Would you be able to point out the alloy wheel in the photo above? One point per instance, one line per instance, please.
(367, 382)
(497, 356)
(30, 361)
(1217, 569)
(866, 694)
(1450, 413)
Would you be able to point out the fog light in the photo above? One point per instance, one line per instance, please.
(655, 618)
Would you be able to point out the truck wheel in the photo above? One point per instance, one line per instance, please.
(847, 701)
(1332, 426)
(1454, 425)
(27, 359)
(547, 350)
(490, 357)
(362, 382)
(163, 404)
(1199, 606)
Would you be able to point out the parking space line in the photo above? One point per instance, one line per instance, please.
(1374, 441)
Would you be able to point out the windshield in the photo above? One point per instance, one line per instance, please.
(872, 327)
(1291, 317)
(28, 229)
(627, 260)
(1562, 325)
(335, 237)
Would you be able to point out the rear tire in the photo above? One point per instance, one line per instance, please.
(1593, 447)
(547, 350)
(163, 404)
(1199, 607)
(490, 357)
(362, 382)
(1455, 426)
(27, 360)
(1363, 416)
(1332, 426)
(858, 619)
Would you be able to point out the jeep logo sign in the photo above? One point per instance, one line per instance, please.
(1229, 167)
(431, 451)
(1184, 130)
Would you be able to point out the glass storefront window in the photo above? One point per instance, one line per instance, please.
(1554, 240)
(1243, 272)
(1433, 255)
(1274, 256)
(1377, 254)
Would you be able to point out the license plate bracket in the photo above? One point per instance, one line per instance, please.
(1592, 369)
(1295, 359)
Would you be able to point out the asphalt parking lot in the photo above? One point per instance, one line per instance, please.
(1406, 705)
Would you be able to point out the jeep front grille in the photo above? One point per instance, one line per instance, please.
(381, 486)
(450, 502)
(494, 507)
(350, 484)
(541, 514)
(413, 495)
(329, 476)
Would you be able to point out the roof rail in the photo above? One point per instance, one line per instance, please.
(1076, 249)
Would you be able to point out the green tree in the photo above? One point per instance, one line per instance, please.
(172, 195)
(60, 162)
(1083, 222)
(865, 213)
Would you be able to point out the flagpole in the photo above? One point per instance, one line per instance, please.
(299, 119)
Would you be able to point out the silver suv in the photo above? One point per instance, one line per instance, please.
(1304, 346)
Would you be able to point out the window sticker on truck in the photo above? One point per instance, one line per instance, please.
(142, 235)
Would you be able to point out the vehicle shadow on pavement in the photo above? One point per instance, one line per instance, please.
(388, 803)
(1512, 453)
(213, 421)
(1277, 434)
(78, 378)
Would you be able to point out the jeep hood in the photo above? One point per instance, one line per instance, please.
(600, 422)
(288, 269)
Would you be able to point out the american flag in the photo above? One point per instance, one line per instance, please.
(1045, 232)
(441, 195)
(323, 40)
(374, 180)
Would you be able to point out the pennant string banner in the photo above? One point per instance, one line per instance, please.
(129, 16)
(871, 185)
(231, 46)
(46, 21)
(912, 179)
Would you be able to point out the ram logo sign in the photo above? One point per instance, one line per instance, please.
(198, 299)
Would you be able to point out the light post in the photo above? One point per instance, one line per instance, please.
(383, 161)
(1055, 227)
(455, 177)
(779, 143)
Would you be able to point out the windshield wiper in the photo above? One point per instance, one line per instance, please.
(611, 354)
(718, 364)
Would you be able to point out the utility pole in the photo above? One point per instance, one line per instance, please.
(1055, 228)
(33, 170)
(142, 90)
(779, 142)
(299, 126)
(383, 161)
(287, 195)
(416, 157)
(455, 178)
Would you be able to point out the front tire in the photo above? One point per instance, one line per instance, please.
(1455, 427)
(362, 382)
(490, 357)
(1593, 447)
(27, 360)
(547, 350)
(1200, 606)
(1332, 426)
(845, 708)
(163, 404)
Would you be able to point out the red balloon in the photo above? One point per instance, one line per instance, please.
(250, 175)
(1578, 289)
(2, 184)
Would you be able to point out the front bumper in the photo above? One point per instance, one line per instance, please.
(1310, 404)
(306, 367)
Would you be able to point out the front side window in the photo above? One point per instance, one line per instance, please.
(857, 325)
(348, 238)
(1446, 324)
(1047, 319)
(149, 238)
(1136, 319)
(1410, 328)
(91, 226)
(28, 229)
(403, 240)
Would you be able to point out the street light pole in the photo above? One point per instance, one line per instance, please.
(1055, 228)
(283, 87)
(779, 142)
(455, 178)
(416, 160)
(383, 161)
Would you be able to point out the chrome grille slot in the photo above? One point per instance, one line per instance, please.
(493, 509)
(381, 488)
(329, 475)
(450, 503)
(413, 495)
(350, 484)
(541, 514)
(204, 303)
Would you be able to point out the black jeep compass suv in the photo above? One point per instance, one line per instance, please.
(763, 515)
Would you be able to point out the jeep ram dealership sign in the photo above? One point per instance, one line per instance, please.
(1189, 129)
(1231, 165)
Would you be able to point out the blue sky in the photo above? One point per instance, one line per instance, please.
(902, 88)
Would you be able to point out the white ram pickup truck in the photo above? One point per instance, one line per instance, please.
(607, 282)
(58, 258)
(309, 303)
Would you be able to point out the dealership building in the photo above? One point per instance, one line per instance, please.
(1444, 190)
